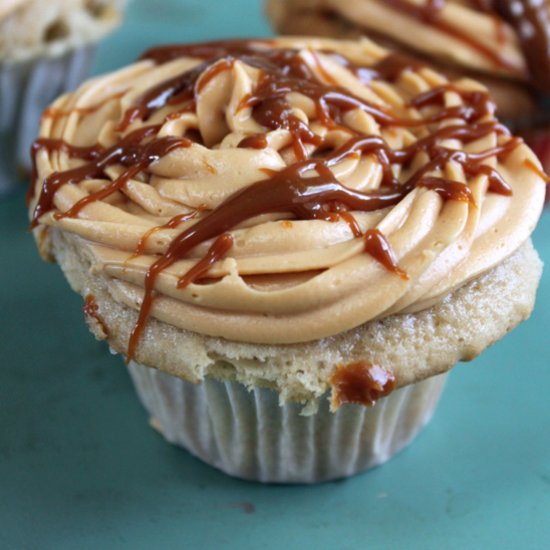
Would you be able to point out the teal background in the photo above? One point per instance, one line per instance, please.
(80, 467)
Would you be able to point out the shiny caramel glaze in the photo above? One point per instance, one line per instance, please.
(360, 383)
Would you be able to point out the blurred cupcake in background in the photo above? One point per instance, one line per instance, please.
(503, 44)
(46, 48)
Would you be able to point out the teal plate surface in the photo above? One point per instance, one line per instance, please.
(81, 468)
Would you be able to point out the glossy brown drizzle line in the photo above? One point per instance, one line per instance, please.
(91, 310)
(361, 383)
(305, 190)
(130, 151)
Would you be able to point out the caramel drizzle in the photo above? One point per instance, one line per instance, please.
(55, 113)
(293, 190)
(377, 246)
(129, 151)
(255, 141)
(91, 309)
(208, 50)
(173, 223)
(361, 383)
(530, 165)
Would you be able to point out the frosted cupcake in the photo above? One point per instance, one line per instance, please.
(46, 48)
(290, 240)
(505, 45)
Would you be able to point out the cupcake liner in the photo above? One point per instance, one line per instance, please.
(26, 89)
(247, 434)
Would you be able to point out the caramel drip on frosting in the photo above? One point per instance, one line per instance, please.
(91, 310)
(129, 152)
(361, 383)
(206, 50)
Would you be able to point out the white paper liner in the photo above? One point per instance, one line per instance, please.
(26, 89)
(247, 434)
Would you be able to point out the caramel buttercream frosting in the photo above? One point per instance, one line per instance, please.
(282, 191)
(37, 27)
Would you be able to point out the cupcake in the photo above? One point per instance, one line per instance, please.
(291, 241)
(46, 48)
(505, 45)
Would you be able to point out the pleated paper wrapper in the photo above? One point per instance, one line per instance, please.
(26, 89)
(248, 434)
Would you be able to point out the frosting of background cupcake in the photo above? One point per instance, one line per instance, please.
(503, 44)
(309, 216)
(46, 48)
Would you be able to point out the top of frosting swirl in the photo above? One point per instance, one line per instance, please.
(283, 190)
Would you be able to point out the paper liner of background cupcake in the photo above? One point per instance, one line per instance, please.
(291, 240)
(46, 49)
(505, 45)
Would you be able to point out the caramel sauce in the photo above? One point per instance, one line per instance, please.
(361, 383)
(173, 223)
(392, 66)
(216, 252)
(352, 223)
(55, 114)
(207, 50)
(221, 66)
(255, 141)
(322, 71)
(377, 246)
(91, 309)
(304, 190)
(283, 72)
(130, 152)
(448, 189)
(530, 165)
(175, 90)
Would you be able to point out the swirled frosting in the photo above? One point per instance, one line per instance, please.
(285, 190)
(33, 27)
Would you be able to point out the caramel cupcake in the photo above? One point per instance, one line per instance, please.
(505, 45)
(290, 240)
(46, 48)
